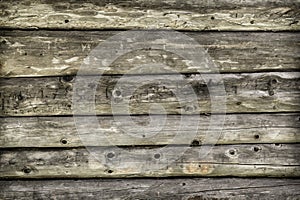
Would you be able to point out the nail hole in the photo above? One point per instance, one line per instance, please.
(238, 103)
(195, 143)
(25, 54)
(110, 171)
(212, 18)
(118, 93)
(26, 170)
(64, 141)
(3, 42)
(157, 156)
(256, 149)
(188, 108)
(20, 97)
(144, 136)
(252, 22)
(271, 92)
(66, 21)
(273, 81)
(256, 136)
(231, 152)
(110, 155)
(199, 166)
(183, 184)
(68, 78)
(41, 54)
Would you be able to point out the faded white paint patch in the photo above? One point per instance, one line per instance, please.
(74, 59)
(55, 61)
(17, 44)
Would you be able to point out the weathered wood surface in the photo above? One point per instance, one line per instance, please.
(57, 53)
(177, 189)
(257, 92)
(61, 131)
(224, 160)
(182, 15)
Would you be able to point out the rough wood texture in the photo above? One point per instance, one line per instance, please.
(177, 189)
(61, 131)
(182, 15)
(223, 160)
(57, 53)
(260, 137)
(258, 92)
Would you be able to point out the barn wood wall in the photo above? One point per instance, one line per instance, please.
(256, 46)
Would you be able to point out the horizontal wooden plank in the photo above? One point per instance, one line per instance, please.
(62, 132)
(223, 160)
(55, 53)
(182, 15)
(177, 189)
(177, 94)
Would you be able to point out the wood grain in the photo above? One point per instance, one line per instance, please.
(260, 70)
(58, 53)
(224, 160)
(62, 132)
(235, 15)
(258, 92)
(177, 189)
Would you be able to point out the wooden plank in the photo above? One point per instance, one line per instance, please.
(258, 92)
(61, 131)
(182, 15)
(224, 160)
(177, 189)
(56, 53)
